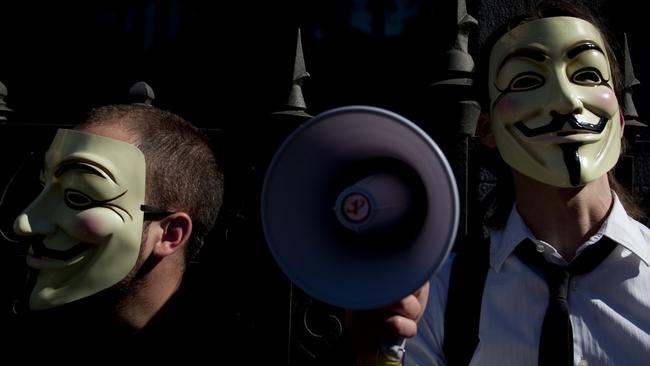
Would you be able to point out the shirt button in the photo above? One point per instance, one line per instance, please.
(583, 362)
(540, 248)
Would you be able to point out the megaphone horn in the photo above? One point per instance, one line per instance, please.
(359, 207)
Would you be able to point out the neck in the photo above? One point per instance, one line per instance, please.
(150, 293)
(563, 217)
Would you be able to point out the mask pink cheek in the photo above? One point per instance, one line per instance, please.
(607, 100)
(94, 225)
(508, 108)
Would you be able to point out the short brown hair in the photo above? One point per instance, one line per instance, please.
(182, 172)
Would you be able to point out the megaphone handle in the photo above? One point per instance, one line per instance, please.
(391, 352)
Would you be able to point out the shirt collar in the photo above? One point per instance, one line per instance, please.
(626, 231)
(504, 241)
(618, 227)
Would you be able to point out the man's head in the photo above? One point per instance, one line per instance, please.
(182, 174)
(106, 157)
(552, 82)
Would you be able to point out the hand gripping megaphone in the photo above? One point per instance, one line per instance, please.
(359, 207)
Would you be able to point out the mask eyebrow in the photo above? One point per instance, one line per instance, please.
(85, 166)
(575, 51)
(530, 53)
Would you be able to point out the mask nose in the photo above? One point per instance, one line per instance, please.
(566, 99)
(22, 226)
(37, 219)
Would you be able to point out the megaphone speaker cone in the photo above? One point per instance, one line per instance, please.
(309, 175)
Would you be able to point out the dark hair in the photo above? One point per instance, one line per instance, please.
(497, 214)
(182, 173)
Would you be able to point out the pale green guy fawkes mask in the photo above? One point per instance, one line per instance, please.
(89, 216)
(553, 108)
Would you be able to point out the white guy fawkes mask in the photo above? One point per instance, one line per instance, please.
(553, 108)
(88, 214)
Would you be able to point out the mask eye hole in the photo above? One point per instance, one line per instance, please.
(526, 81)
(588, 76)
(77, 200)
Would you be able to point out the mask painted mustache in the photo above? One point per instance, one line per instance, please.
(40, 250)
(558, 121)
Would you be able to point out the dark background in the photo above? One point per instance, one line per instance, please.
(228, 63)
(226, 66)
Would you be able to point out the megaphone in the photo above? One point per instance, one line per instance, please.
(359, 207)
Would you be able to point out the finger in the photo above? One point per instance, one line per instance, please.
(409, 307)
(423, 294)
(399, 326)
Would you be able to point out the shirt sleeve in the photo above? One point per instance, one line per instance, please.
(425, 349)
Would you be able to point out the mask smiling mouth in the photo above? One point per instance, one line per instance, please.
(40, 250)
(577, 122)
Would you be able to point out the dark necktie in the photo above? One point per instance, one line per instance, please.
(556, 342)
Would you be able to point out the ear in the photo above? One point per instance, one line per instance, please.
(176, 231)
(485, 131)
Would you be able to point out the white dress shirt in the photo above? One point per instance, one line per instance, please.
(609, 307)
